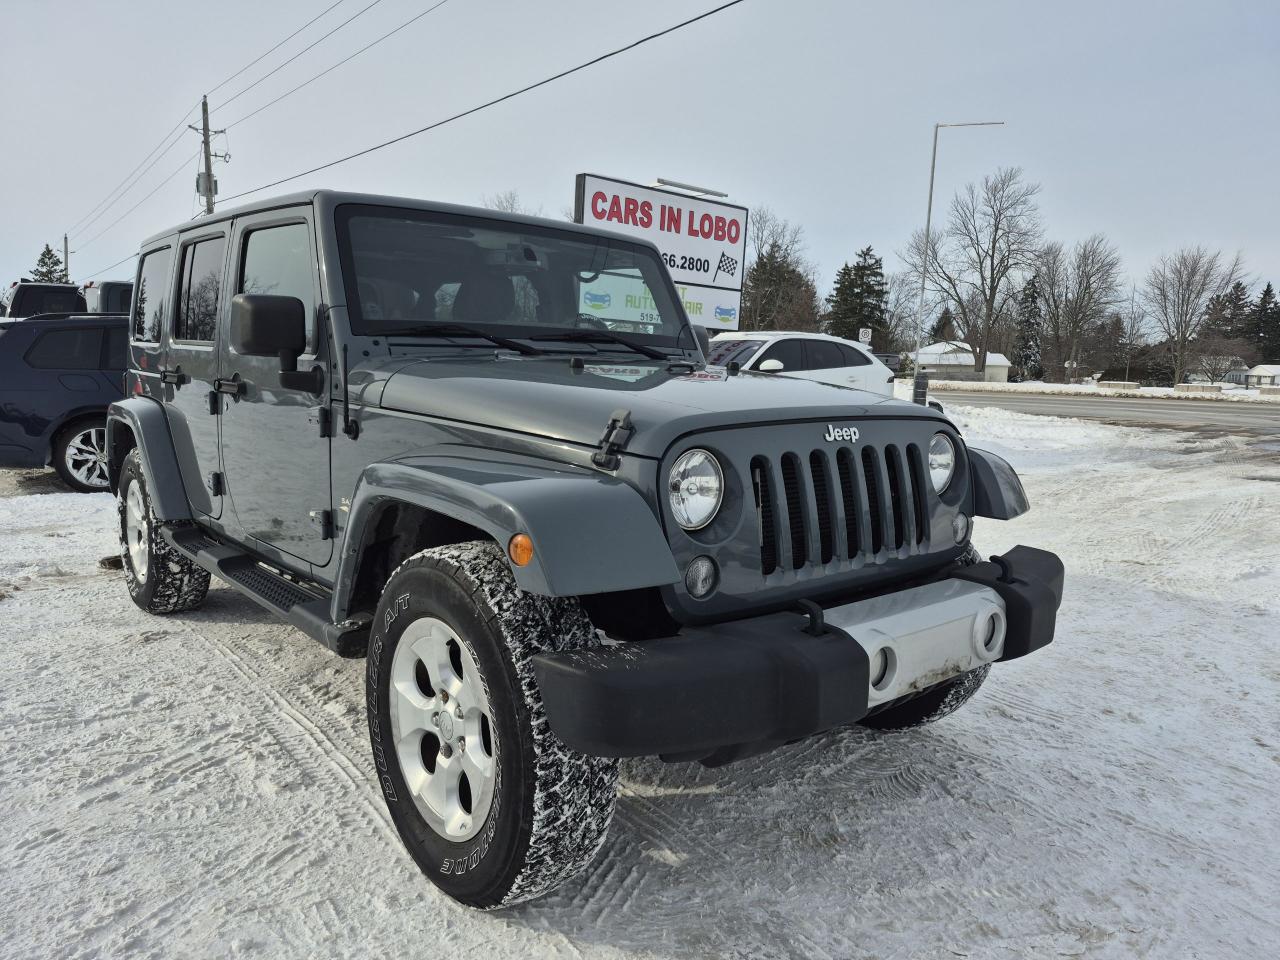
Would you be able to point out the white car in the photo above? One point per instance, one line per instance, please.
(811, 356)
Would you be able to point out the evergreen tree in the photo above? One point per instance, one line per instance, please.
(944, 328)
(50, 268)
(1026, 360)
(858, 300)
(1231, 315)
(1264, 326)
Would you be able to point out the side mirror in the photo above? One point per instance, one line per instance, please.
(770, 366)
(701, 334)
(264, 325)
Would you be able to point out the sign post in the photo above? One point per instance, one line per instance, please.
(702, 242)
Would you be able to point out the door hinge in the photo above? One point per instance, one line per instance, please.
(322, 417)
(323, 519)
(214, 483)
(616, 434)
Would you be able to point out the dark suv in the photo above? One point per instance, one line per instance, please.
(57, 378)
(487, 452)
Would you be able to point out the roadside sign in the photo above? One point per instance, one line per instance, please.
(702, 242)
(864, 334)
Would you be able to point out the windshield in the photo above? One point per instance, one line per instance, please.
(724, 352)
(409, 269)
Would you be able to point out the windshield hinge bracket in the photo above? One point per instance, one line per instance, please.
(616, 434)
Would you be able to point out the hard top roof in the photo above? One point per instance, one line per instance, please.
(326, 200)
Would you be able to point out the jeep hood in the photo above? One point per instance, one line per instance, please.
(547, 397)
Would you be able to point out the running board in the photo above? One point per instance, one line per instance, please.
(306, 608)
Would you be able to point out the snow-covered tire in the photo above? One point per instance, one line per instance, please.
(548, 808)
(937, 702)
(160, 579)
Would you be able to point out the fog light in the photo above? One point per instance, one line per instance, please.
(960, 527)
(700, 577)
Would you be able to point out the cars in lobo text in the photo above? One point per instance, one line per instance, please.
(558, 544)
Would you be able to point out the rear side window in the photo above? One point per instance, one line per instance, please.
(853, 357)
(197, 316)
(824, 355)
(277, 260)
(787, 351)
(117, 357)
(31, 301)
(149, 299)
(115, 299)
(66, 350)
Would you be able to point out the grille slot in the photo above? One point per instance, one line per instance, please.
(795, 508)
(870, 464)
(852, 508)
(822, 499)
(764, 515)
(894, 469)
(916, 465)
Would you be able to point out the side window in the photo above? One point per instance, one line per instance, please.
(66, 350)
(149, 298)
(789, 352)
(853, 357)
(277, 260)
(117, 356)
(823, 354)
(197, 315)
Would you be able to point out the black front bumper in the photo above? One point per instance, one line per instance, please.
(722, 692)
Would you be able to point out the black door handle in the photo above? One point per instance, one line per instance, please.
(174, 376)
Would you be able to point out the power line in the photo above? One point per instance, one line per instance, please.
(90, 276)
(159, 156)
(140, 202)
(374, 43)
(490, 103)
(81, 222)
(116, 193)
(276, 47)
(270, 73)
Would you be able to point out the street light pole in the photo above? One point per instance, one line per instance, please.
(920, 385)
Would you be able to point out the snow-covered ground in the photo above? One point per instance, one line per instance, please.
(199, 785)
(1229, 391)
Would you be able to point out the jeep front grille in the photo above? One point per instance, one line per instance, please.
(838, 505)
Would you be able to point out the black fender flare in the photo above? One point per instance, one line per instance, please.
(146, 420)
(997, 491)
(591, 532)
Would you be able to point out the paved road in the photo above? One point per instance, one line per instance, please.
(1210, 416)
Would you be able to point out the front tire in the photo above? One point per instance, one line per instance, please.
(160, 579)
(492, 807)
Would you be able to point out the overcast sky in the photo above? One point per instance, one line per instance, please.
(1157, 123)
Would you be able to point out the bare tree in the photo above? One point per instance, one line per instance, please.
(1077, 289)
(1135, 328)
(900, 310)
(778, 290)
(992, 232)
(1178, 291)
(508, 201)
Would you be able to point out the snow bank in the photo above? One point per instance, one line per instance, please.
(902, 389)
(200, 785)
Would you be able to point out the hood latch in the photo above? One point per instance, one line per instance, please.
(616, 434)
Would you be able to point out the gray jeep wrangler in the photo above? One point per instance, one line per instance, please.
(486, 452)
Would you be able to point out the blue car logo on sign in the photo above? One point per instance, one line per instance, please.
(726, 314)
(597, 301)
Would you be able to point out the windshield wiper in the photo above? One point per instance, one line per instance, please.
(603, 336)
(461, 330)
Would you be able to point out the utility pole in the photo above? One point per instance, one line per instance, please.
(206, 185)
(66, 257)
(920, 385)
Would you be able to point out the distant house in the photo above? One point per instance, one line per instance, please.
(1263, 375)
(953, 360)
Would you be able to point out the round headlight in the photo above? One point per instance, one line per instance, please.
(696, 487)
(942, 461)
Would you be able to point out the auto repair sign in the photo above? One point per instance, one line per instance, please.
(702, 242)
